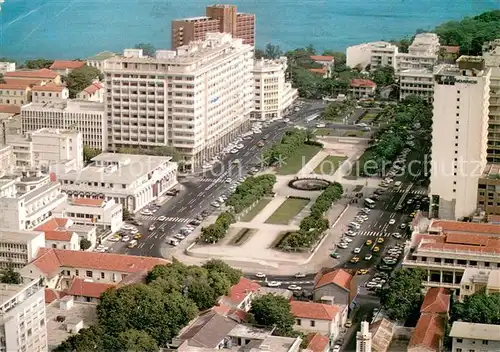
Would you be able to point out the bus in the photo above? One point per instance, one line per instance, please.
(370, 203)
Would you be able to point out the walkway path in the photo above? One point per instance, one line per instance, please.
(268, 210)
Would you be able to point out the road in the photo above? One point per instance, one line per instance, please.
(198, 192)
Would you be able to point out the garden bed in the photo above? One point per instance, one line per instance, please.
(242, 236)
(329, 165)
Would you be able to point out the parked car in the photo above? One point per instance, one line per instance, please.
(274, 284)
(151, 227)
(260, 275)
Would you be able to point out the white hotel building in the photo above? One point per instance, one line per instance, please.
(86, 117)
(273, 94)
(23, 323)
(374, 54)
(130, 180)
(461, 100)
(195, 99)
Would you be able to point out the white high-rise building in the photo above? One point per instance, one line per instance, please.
(195, 99)
(422, 53)
(364, 338)
(86, 117)
(459, 136)
(419, 82)
(373, 54)
(23, 323)
(491, 54)
(273, 94)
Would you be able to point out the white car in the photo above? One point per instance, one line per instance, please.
(162, 218)
(320, 125)
(134, 231)
(240, 146)
(356, 250)
(396, 235)
(128, 227)
(336, 348)
(274, 284)
(228, 180)
(392, 221)
(234, 151)
(343, 245)
(294, 288)
(125, 239)
(260, 275)
(299, 275)
(346, 239)
(152, 228)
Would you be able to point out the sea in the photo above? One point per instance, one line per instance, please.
(70, 29)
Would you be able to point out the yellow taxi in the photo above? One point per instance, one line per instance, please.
(376, 249)
(369, 242)
(362, 272)
(380, 240)
(354, 260)
(137, 236)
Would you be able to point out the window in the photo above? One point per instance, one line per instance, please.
(313, 323)
(77, 272)
(458, 350)
(459, 340)
(299, 322)
(485, 342)
(102, 275)
(89, 273)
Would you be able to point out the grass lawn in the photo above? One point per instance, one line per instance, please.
(289, 209)
(326, 132)
(354, 133)
(329, 165)
(255, 210)
(299, 159)
(369, 117)
(242, 236)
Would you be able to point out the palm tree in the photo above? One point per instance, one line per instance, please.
(310, 136)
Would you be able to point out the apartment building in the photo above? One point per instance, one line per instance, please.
(488, 190)
(49, 93)
(273, 95)
(491, 55)
(7, 160)
(85, 117)
(373, 54)
(364, 338)
(18, 247)
(451, 247)
(220, 18)
(461, 100)
(196, 99)
(23, 323)
(476, 280)
(362, 88)
(473, 337)
(64, 67)
(132, 181)
(419, 82)
(27, 201)
(7, 67)
(42, 148)
(422, 53)
(105, 215)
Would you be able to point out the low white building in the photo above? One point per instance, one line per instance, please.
(26, 202)
(23, 323)
(45, 147)
(374, 54)
(472, 337)
(18, 247)
(362, 88)
(273, 95)
(130, 180)
(94, 92)
(7, 67)
(105, 215)
(62, 233)
(86, 117)
(419, 82)
(49, 93)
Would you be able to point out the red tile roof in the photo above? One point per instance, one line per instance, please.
(337, 277)
(66, 64)
(14, 85)
(94, 87)
(84, 288)
(469, 227)
(452, 49)
(242, 289)
(49, 88)
(428, 332)
(317, 343)
(459, 247)
(42, 73)
(89, 202)
(59, 235)
(50, 260)
(312, 310)
(322, 70)
(321, 58)
(54, 224)
(358, 82)
(436, 301)
(10, 109)
(51, 295)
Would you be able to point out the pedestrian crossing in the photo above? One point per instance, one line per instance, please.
(209, 180)
(167, 219)
(422, 192)
(374, 234)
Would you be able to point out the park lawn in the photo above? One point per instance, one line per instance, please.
(329, 165)
(326, 132)
(354, 133)
(255, 210)
(298, 160)
(369, 117)
(289, 209)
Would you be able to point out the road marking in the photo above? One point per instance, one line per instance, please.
(152, 245)
(140, 245)
(182, 209)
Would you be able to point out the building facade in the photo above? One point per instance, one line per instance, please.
(472, 337)
(488, 190)
(422, 53)
(477, 280)
(273, 95)
(7, 160)
(362, 88)
(461, 100)
(130, 180)
(196, 99)
(418, 82)
(364, 338)
(219, 18)
(99, 59)
(491, 54)
(18, 247)
(7, 67)
(83, 116)
(23, 326)
(49, 93)
(373, 54)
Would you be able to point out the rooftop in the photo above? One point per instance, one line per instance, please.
(207, 330)
(55, 224)
(449, 226)
(67, 64)
(382, 331)
(94, 87)
(358, 82)
(103, 55)
(50, 87)
(41, 73)
(73, 106)
(464, 330)
(428, 333)
(87, 202)
(242, 289)
(50, 260)
(317, 342)
(18, 236)
(313, 310)
(321, 58)
(80, 287)
(10, 109)
(338, 277)
(56, 330)
(436, 301)
(321, 70)
(28, 288)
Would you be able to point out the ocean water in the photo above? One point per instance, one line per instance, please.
(81, 28)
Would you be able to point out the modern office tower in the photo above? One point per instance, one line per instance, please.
(491, 54)
(23, 326)
(364, 338)
(219, 18)
(195, 99)
(460, 128)
(273, 94)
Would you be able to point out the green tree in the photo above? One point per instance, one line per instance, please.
(80, 78)
(87, 340)
(339, 57)
(38, 63)
(259, 54)
(11, 276)
(234, 275)
(89, 153)
(478, 308)
(404, 293)
(383, 76)
(137, 341)
(85, 244)
(147, 48)
(272, 51)
(273, 310)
